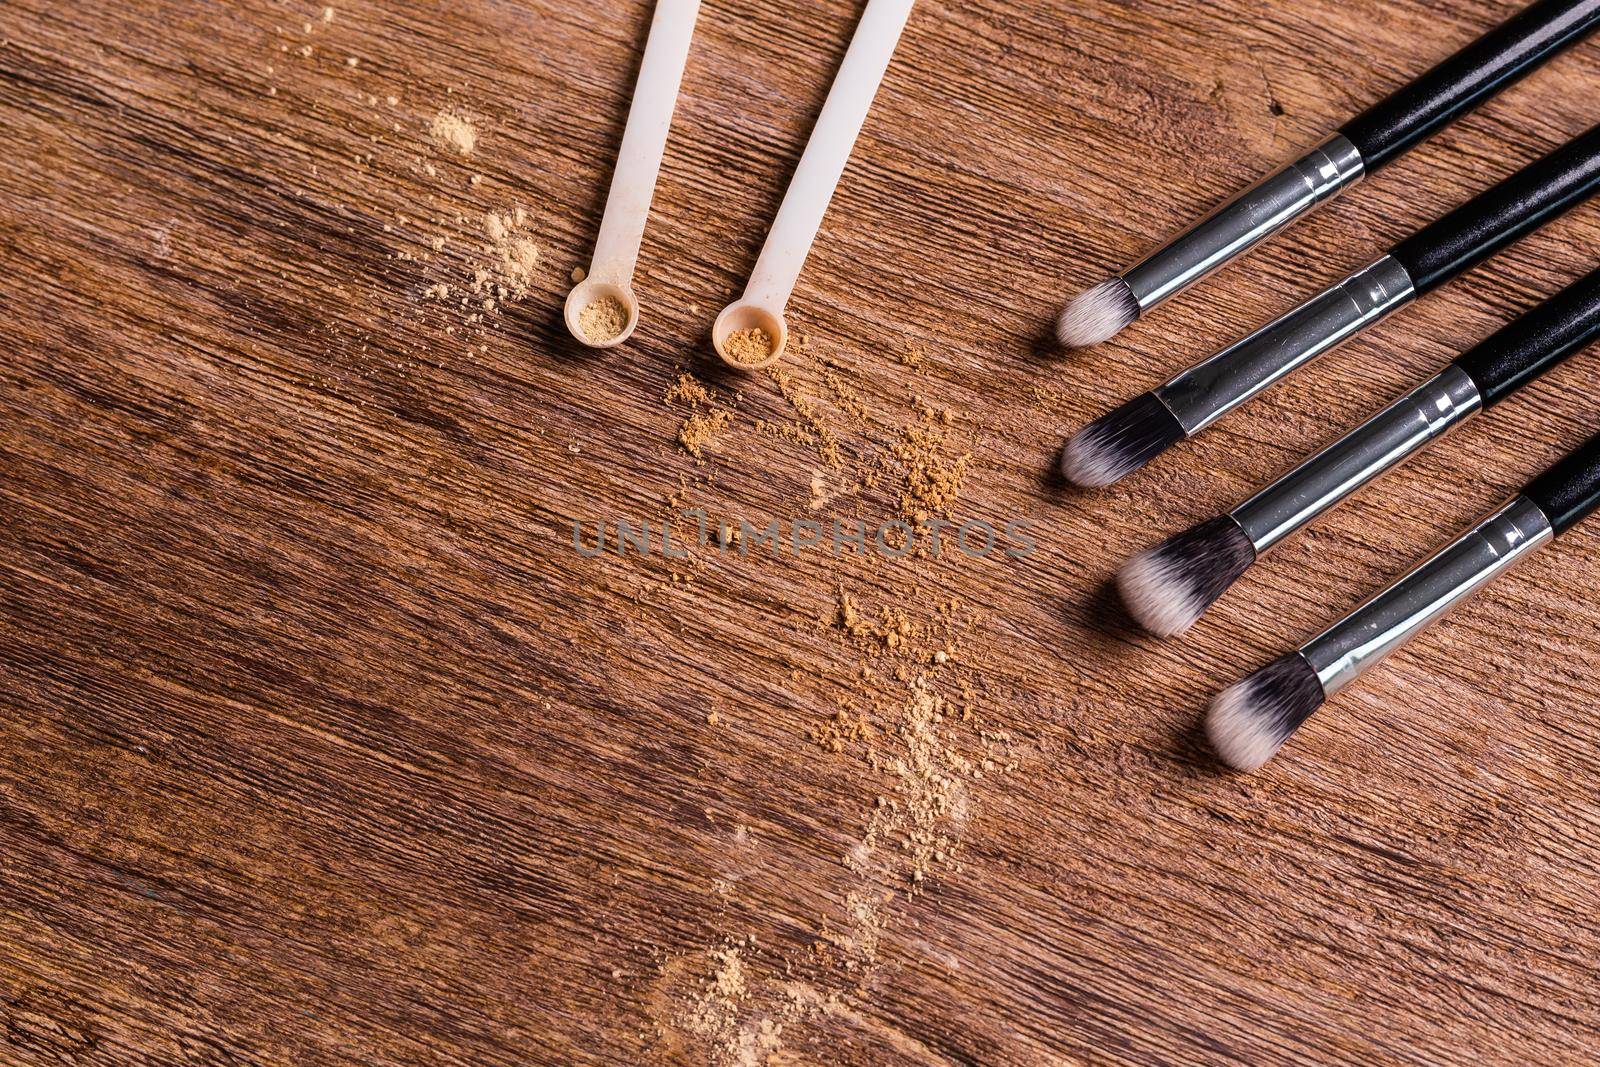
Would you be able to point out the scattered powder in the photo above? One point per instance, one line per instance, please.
(748, 346)
(603, 319)
(915, 733)
(892, 632)
(687, 390)
(846, 397)
(714, 1015)
(926, 815)
(327, 14)
(850, 617)
(819, 491)
(518, 258)
(504, 276)
(699, 427)
(454, 131)
(717, 1014)
(932, 477)
(578, 275)
(845, 726)
(816, 430)
(698, 430)
(865, 912)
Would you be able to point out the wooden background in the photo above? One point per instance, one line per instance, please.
(322, 744)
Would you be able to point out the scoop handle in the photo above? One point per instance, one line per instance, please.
(644, 142)
(823, 162)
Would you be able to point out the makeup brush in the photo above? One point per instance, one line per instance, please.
(1124, 440)
(1168, 587)
(1250, 721)
(1378, 136)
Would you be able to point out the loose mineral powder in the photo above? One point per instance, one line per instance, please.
(748, 346)
(455, 132)
(603, 320)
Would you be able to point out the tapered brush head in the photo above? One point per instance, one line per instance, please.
(1168, 587)
(1097, 314)
(1118, 443)
(1250, 720)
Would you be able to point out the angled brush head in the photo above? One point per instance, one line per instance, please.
(1168, 587)
(1250, 720)
(1097, 314)
(1120, 442)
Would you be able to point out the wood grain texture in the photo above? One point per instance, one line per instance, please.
(322, 744)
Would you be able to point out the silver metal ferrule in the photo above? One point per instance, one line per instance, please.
(1376, 446)
(1207, 391)
(1250, 217)
(1387, 621)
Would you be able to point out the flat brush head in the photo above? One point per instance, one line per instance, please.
(1118, 443)
(1168, 587)
(1097, 314)
(1250, 720)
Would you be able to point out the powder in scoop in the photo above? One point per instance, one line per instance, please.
(748, 346)
(603, 319)
(455, 132)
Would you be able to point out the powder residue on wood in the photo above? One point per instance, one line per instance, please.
(722, 1014)
(932, 475)
(687, 390)
(924, 816)
(908, 715)
(454, 132)
(514, 254)
(815, 430)
(699, 429)
(510, 259)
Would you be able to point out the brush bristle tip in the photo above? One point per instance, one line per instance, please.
(1250, 720)
(1097, 314)
(1167, 588)
(1120, 442)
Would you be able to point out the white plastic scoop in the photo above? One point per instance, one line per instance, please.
(644, 142)
(811, 188)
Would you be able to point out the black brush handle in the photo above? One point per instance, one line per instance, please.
(1569, 491)
(1496, 217)
(1497, 59)
(1522, 350)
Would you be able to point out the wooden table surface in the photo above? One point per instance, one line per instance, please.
(323, 743)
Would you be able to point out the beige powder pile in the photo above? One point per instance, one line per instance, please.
(813, 428)
(716, 1015)
(933, 476)
(687, 390)
(843, 728)
(455, 132)
(603, 319)
(510, 260)
(698, 431)
(748, 346)
(699, 427)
